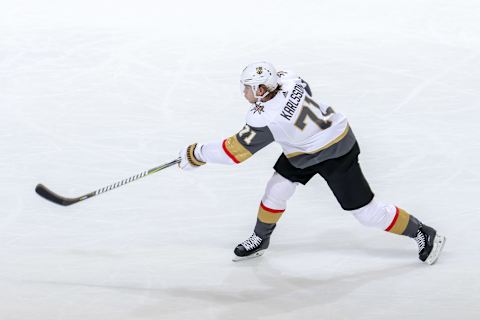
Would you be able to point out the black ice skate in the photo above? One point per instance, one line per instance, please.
(430, 244)
(251, 248)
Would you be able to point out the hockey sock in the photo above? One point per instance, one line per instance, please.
(273, 204)
(269, 215)
(266, 220)
(264, 230)
(387, 217)
(404, 224)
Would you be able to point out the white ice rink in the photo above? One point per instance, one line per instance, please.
(92, 92)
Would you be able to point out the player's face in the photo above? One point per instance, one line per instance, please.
(248, 94)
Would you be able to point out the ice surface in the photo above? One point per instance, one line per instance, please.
(95, 91)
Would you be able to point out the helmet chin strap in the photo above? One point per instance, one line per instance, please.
(254, 91)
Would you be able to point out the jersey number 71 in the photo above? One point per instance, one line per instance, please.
(306, 112)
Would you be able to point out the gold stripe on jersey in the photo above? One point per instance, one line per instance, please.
(331, 143)
(400, 222)
(236, 150)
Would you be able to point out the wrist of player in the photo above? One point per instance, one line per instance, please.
(191, 157)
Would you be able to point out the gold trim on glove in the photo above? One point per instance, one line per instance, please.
(191, 156)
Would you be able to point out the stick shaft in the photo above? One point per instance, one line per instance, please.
(135, 177)
(47, 194)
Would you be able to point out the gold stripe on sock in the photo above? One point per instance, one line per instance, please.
(267, 215)
(401, 222)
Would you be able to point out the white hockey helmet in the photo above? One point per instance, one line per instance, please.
(258, 73)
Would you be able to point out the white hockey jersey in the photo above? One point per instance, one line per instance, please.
(308, 132)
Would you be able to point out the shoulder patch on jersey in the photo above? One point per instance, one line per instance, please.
(258, 108)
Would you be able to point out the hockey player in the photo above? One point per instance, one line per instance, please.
(315, 140)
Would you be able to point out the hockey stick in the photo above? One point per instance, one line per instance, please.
(46, 193)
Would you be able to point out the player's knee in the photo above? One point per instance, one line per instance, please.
(278, 191)
(374, 214)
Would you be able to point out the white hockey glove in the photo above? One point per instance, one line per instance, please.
(190, 158)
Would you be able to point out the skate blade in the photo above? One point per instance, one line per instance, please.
(438, 244)
(255, 255)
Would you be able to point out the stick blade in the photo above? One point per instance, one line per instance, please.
(49, 195)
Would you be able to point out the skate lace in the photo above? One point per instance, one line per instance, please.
(252, 242)
(420, 238)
